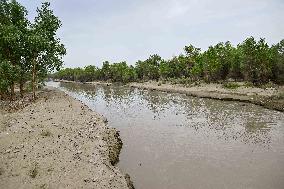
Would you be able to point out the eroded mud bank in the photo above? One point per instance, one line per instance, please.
(268, 98)
(57, 142)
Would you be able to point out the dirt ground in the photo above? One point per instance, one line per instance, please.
(57, 142)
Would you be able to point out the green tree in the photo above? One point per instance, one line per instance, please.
(277, 52)
(251, 60)
(45, 49)
(13, 27)
(105, 73)
(217, 61)
(256, 60)
(178, 66)
(8, 75)
(149, 69)
(90, 72)
(193, 58)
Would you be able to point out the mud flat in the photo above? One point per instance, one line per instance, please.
(57, 142)
(90, 83)
(271, 98)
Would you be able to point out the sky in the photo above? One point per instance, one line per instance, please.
(94, 31)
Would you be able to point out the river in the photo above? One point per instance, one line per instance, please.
(174, 141)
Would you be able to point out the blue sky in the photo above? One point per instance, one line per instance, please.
(128, 30)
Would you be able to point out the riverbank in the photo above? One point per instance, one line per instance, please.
(57, 142)
(91, 82)
(182, 137)
(271, 98)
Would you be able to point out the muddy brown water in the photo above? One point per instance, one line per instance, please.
(176, 141)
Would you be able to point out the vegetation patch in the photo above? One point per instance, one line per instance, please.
(28, 49)
(248, 84)
(253, 61)
(268, 85)
(231, 85)
(34, 171)
(280, 96)
(46, 133)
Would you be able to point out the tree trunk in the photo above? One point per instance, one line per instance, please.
(12, 88)
(34, 79)
(22, 88)
(22, 82)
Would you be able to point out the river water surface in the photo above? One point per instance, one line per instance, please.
(173, 141)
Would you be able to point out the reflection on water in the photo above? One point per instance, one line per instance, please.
(177, 141)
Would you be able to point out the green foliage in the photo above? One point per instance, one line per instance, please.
(252, 61)
(194, 63)
(217, 61)
(117, 72)
(175, 67)
(278, 62)
(149, 69)
(90, 73)
(13, 27)
(28, 51)
(256, 62)
(7, 73)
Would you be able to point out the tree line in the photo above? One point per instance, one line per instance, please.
(252, 60)
(28, 50)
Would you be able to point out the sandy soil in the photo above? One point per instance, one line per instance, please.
(268, 98)
(57, 142)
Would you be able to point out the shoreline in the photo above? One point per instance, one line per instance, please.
(262, 97)
(267, 98)
(58, 142)
(90, 83)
